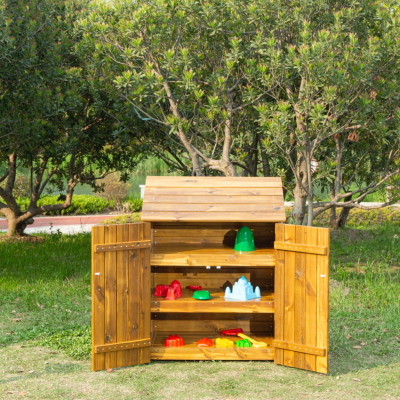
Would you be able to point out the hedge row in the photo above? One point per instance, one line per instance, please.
(86, 204)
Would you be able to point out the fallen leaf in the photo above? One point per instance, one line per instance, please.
(356, 379)
(40, 306)
(13, 311)
(241, 369)
(10, 392)
(74, 302)
(110, 370)
(67, 310)
(363, 344)
(46, 362)
(345, 327)
(32, 290)
(385, 330)
(396, 337)
(31, 372)
(17, 319)
(19, 347)
(338, 377)
(348, 336)
(22, 394)
(356, 347)
(319, 383)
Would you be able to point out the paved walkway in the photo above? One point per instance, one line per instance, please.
(68, 224)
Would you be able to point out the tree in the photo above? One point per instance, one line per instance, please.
(54, 120)
(335, 68)
(191, 68)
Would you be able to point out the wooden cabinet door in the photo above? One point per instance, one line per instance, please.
(121, 295)
(302, 297)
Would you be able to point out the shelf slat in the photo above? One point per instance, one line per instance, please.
(212, 254)
(191, 352)
(217, 304)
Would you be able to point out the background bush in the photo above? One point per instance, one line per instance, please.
(83, 204)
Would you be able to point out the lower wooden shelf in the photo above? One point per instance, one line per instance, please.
(217, 304)
(191, 352)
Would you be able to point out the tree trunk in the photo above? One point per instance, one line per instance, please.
(299, 193)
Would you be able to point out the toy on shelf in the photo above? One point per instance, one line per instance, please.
(255, 343)
(242, 290)
(171, 294)
(161, 290)
(177, 288)
(224, 343)
(231, 332)
(194, 288)
(244, 240)
(206, 342)
(201, 295)
(243, 343)
(174, 341)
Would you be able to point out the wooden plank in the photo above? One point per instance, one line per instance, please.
(310, 337)
(217, 304)
(322, 363)
(299, 248)
(98, 293)
(122, 246)
(212, 225)
(212, 182)
(276, 216)
(191, 352)
(226, 199)
(122, 347)
(216, 255)
(290, 276)
(297, 348)
(228, 232)
(122, 295)
(145, 292)
(134, 293)
(212, 191)
(229, 240)
(211, 207)
(299, 298)
(110, 296)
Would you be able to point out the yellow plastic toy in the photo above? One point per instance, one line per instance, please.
(224, 343)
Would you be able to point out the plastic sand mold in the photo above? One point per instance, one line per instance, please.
(224, 343)
(243, 343)
(174, 341)
(205, 343)
(202, 295)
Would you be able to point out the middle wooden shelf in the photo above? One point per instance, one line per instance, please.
(217, 304)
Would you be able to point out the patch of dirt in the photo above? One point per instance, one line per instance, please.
(351, 235)
(24, 238)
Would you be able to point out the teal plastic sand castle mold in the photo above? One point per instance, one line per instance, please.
(244, 240)
(242, 290)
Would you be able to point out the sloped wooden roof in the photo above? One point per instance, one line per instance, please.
(213, 199)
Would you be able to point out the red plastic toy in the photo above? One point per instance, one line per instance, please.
(161, 290)
(194, 288)
(177, 288)
(171, 294)
(174, 341)
(206, 342)
(231, 332)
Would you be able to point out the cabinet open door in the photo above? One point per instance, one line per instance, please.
(302, 297)
(121, 298)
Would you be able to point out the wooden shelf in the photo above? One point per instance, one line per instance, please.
(213, 254)
(191, 352)
(217, 304)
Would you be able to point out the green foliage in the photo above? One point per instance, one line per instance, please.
(84, 204)
(76, 342)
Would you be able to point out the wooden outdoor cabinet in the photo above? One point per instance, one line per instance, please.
(187, 233)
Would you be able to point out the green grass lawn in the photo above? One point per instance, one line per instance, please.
(45, 331)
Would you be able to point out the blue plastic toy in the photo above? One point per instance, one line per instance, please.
(242, 290)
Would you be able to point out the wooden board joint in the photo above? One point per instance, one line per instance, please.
(134, 344)
(300, 248)
(300, 348)
(140, 244)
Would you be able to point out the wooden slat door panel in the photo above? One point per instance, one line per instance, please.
(302, 297)
(121, 295)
